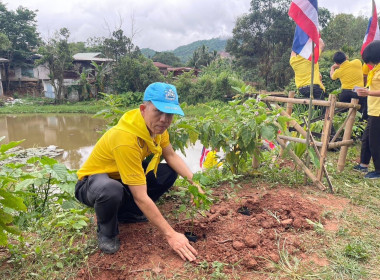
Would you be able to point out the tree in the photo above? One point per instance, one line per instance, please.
(261, 43)
(20, 28)
(167, 58)
(5, 44)
(202, 57)
(119, 45)
(56, 56)
(134, 74)
(345, 30)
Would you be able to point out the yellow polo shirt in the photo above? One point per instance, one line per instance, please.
(120, 154)
(350, 74)
(302, 70)
(374, 101)
(365, 69)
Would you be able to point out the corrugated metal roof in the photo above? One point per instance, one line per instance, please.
(90, 57)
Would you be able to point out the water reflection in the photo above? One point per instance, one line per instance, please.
(75, 133)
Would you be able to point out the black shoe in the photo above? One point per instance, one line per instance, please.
(130, 218)
(361, 168)
(108, 245)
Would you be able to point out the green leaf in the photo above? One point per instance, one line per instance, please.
(313, 157)
(268, 132)
(24, 184)
(12, 201)
(246, 136)
(10, 145)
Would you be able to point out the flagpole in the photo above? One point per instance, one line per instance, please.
(310, 105)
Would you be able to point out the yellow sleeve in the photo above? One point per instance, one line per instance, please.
(336, 74)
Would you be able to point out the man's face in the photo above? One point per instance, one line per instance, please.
(156, 121)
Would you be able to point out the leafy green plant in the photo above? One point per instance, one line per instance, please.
(239, 128)
(10, 203)
(46, 182)
(192, 199)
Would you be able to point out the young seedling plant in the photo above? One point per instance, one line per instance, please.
(193, 201)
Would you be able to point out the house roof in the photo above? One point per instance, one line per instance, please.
(161, 65)
(90, 57)
(3, 59)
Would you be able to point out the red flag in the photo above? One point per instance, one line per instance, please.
(373, 32)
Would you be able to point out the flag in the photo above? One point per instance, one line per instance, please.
(203, 156)
(305, 15)
(373, 32)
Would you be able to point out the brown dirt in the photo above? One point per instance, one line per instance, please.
(276, 219)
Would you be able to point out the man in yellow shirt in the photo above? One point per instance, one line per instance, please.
(302, 71)
(121, 185)
(350, 74)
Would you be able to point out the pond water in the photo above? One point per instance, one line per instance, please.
(76, 134)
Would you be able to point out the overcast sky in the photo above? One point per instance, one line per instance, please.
(158, 24)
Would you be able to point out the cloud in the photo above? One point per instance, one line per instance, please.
(161, 25)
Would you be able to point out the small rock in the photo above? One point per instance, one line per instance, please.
(287, 222)
(251, 263)
(238, 245)
(252, 240)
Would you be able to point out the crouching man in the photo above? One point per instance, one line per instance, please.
(122, 185)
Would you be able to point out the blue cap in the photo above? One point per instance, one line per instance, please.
(164, 97)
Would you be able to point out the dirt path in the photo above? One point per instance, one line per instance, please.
(250, 241)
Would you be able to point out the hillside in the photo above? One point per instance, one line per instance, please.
(186, 51)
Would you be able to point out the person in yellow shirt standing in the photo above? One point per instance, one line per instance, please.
(371, 135)
(302, 72)
(350, 74)
(118, 181)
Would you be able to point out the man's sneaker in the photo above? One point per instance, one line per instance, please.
(130, 218)
(361, 168)
(108, 245)
(372, 175)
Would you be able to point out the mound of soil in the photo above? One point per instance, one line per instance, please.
(249, 230)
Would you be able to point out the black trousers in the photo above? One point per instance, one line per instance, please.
(318, 93)
(371, 143)
(346, 95)
(111, 198)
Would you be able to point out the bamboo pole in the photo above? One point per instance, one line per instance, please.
(329, 116)
(307, 171)
(292, 123)
(347, 135)
(323, 103)
(323, 166)
(317, 143)
(289, 109)
(341, 127)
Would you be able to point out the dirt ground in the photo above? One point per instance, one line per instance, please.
(272, 220)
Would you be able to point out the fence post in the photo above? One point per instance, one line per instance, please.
(329, 116)
(347, 135)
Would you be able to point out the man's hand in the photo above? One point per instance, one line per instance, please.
(181, 245)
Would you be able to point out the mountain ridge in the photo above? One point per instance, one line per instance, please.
(186, 51)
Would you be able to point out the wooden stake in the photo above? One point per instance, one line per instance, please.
(329, 116)
(289, 109)
(303, 166)
(347, 134)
